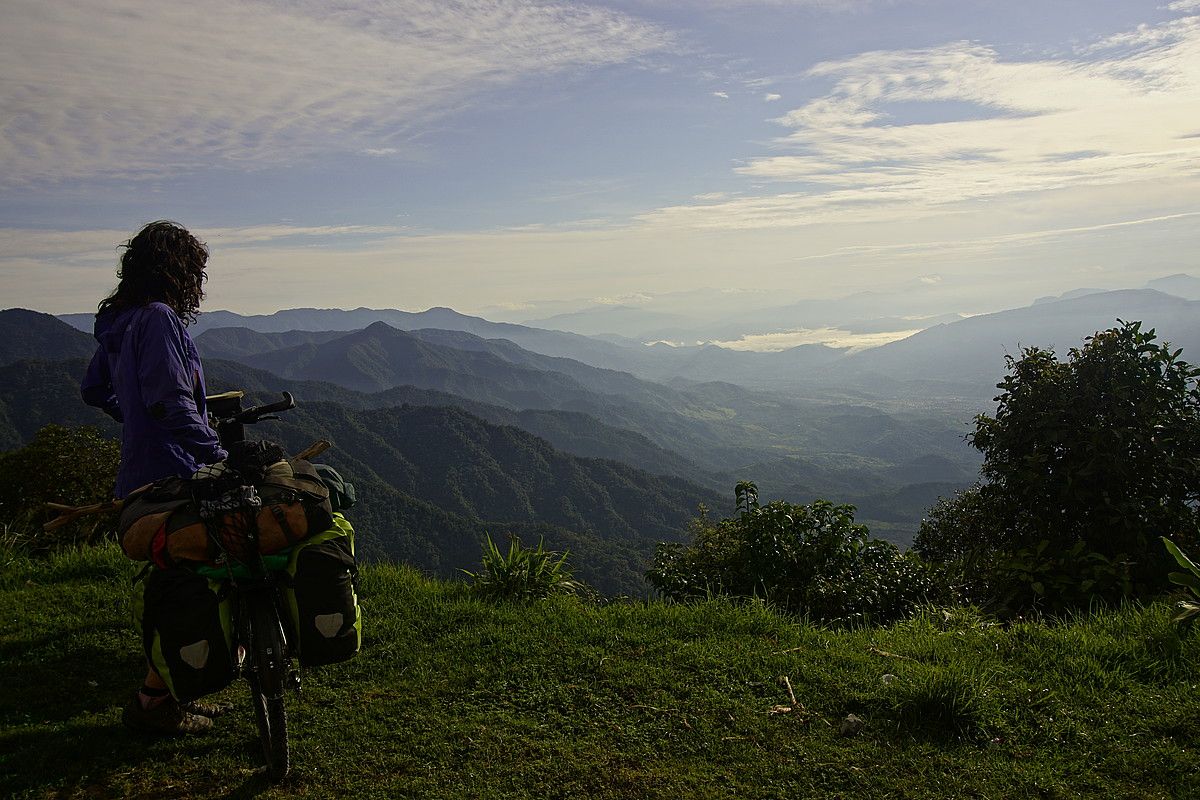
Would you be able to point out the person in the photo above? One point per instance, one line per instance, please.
(146, 374)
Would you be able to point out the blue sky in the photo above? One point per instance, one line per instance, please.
(517, 158)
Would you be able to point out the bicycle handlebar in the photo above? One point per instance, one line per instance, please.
(254, 414)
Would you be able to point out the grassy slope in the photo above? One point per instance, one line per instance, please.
(453, 698)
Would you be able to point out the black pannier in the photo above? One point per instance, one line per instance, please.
(322, 596)
(186, 624)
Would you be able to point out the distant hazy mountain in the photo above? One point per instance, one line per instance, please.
(236, 342)
(31, 334)
(1071, 295)
(659, 362)
(705, 315)
(1180, 285)
(628, 321)
(968, 356)
(223, 334)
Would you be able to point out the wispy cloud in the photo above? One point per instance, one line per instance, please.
(816, 5)
(123, 86)
(905, 132)
(977, 246)
(771, 97)
(722, 95)
(88, 248)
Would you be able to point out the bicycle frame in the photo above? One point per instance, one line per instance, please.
(261, 636)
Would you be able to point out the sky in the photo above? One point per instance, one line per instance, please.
(519, 159)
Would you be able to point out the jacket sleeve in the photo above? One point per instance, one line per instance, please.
(168, 381)
(97, 389)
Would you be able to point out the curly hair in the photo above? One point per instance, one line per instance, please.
(162, 263)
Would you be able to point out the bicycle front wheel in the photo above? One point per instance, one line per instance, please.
(271, 717)
(267, 680)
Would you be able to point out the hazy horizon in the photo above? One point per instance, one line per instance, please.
(520, 160)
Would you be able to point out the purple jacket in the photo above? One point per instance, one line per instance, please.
(146, 374)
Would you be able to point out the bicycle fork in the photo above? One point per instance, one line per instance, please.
(265, 653)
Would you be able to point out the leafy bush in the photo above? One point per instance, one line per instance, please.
(1086, 463)
(955, 540)
(523, 574)
(75, 466)
(810, 559)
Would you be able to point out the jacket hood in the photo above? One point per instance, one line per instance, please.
(110, 328)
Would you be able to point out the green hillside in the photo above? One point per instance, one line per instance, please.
(434, 481)
(456, 698)
(469, 476)
(32, 334)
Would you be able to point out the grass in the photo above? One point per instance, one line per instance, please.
(454, 697)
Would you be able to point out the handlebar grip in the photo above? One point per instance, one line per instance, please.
(283, 405)
(251, 415)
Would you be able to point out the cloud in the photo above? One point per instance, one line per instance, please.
(771, 97)
(98, 87)
(830, 337)
(905, 133)
(632, 299)
(815, 5)
(1184, 5)
(722, 95)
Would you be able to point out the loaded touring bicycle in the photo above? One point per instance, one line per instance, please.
(251, 569)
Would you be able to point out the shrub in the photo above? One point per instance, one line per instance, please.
(525, 573)
(811, 559)
(955, 541)
(75, 466)
(1086, 463)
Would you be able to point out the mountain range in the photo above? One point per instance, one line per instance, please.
(457, 425)
(950, 361)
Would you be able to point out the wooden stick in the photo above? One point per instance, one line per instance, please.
(791, 693)
(315, 449)
(886, 654)
(70, 513)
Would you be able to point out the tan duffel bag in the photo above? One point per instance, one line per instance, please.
(161, 523)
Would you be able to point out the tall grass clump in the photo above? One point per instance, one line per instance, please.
(945, 700)
(523, 574)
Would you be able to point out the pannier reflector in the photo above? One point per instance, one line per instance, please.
(195, 655)
(328, 625)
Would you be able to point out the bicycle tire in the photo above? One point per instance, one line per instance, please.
(266, 688)
(271, 716)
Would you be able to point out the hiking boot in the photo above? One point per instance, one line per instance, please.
(211, 709)
(165, 719)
